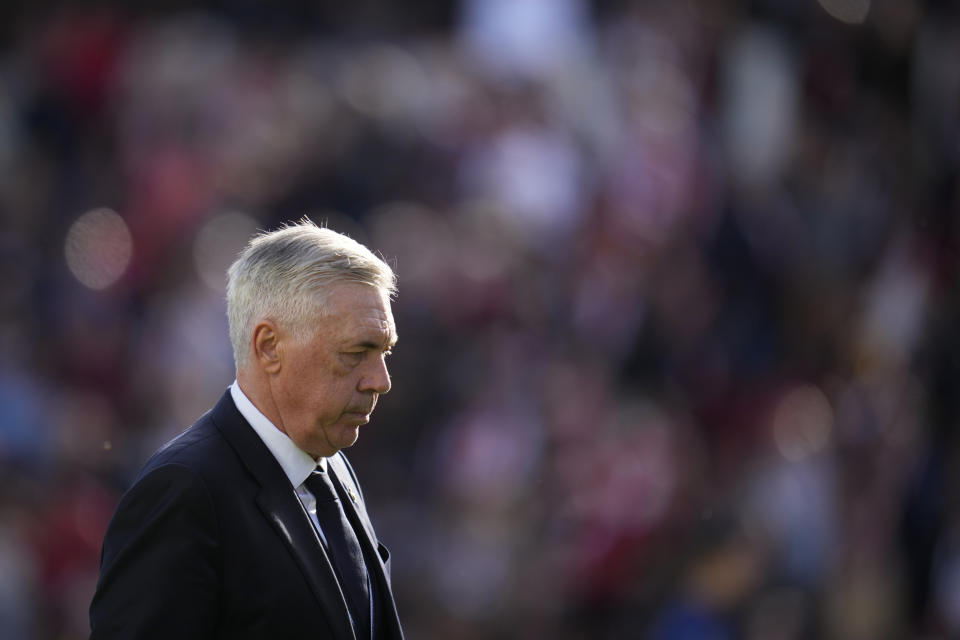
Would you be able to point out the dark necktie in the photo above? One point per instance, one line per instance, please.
(344, 550)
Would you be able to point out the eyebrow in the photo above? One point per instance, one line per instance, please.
(368, 344)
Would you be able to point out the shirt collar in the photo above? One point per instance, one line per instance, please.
(296, 463)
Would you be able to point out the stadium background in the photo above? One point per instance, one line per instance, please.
(678, 308)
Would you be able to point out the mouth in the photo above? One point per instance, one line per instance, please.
(362, 416)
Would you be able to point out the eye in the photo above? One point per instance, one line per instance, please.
(353, 356)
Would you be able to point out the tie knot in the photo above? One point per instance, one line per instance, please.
(319, 484)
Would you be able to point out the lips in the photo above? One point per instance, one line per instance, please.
(360, 411)
(366, 409)
(356, 418)
(360, 414)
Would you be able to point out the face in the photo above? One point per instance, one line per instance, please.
(331, 375)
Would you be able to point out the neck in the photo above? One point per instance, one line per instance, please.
(259, 393)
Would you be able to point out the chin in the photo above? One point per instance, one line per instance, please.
(350, 437)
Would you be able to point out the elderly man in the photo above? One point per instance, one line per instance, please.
(251, 523)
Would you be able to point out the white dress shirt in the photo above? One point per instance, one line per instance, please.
(296, 463)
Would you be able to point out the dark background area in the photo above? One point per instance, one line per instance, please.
(678, 295)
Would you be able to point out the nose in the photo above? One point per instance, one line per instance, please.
(376, 377)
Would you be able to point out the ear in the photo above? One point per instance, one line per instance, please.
(266, 346)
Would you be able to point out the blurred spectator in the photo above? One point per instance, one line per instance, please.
(678, 299)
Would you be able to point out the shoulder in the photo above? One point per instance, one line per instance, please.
(199, 448)
(179, 467)
(161, 494)
(203, 442)
(180, 482)
(196, 467)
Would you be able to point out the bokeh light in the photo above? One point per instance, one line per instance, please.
(761, 91)
(802, 422)
(849, 11)
(217, 245)
(385, 82)
(98, 248)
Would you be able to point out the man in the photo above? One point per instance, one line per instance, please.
(251, 524)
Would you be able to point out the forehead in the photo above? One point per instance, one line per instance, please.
(361, 312)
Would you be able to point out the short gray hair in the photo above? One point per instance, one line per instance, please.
(285, 274)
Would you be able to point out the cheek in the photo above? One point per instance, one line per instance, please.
(305, 379)
(327, 387)
(338, 367)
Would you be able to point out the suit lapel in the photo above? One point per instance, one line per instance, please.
(280, 505)
(353, 499)
(357, 514)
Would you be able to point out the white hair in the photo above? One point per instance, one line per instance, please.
(285, 274)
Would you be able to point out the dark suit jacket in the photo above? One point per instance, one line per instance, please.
(212, 542)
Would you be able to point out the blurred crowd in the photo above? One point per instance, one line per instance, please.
(678, 297)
